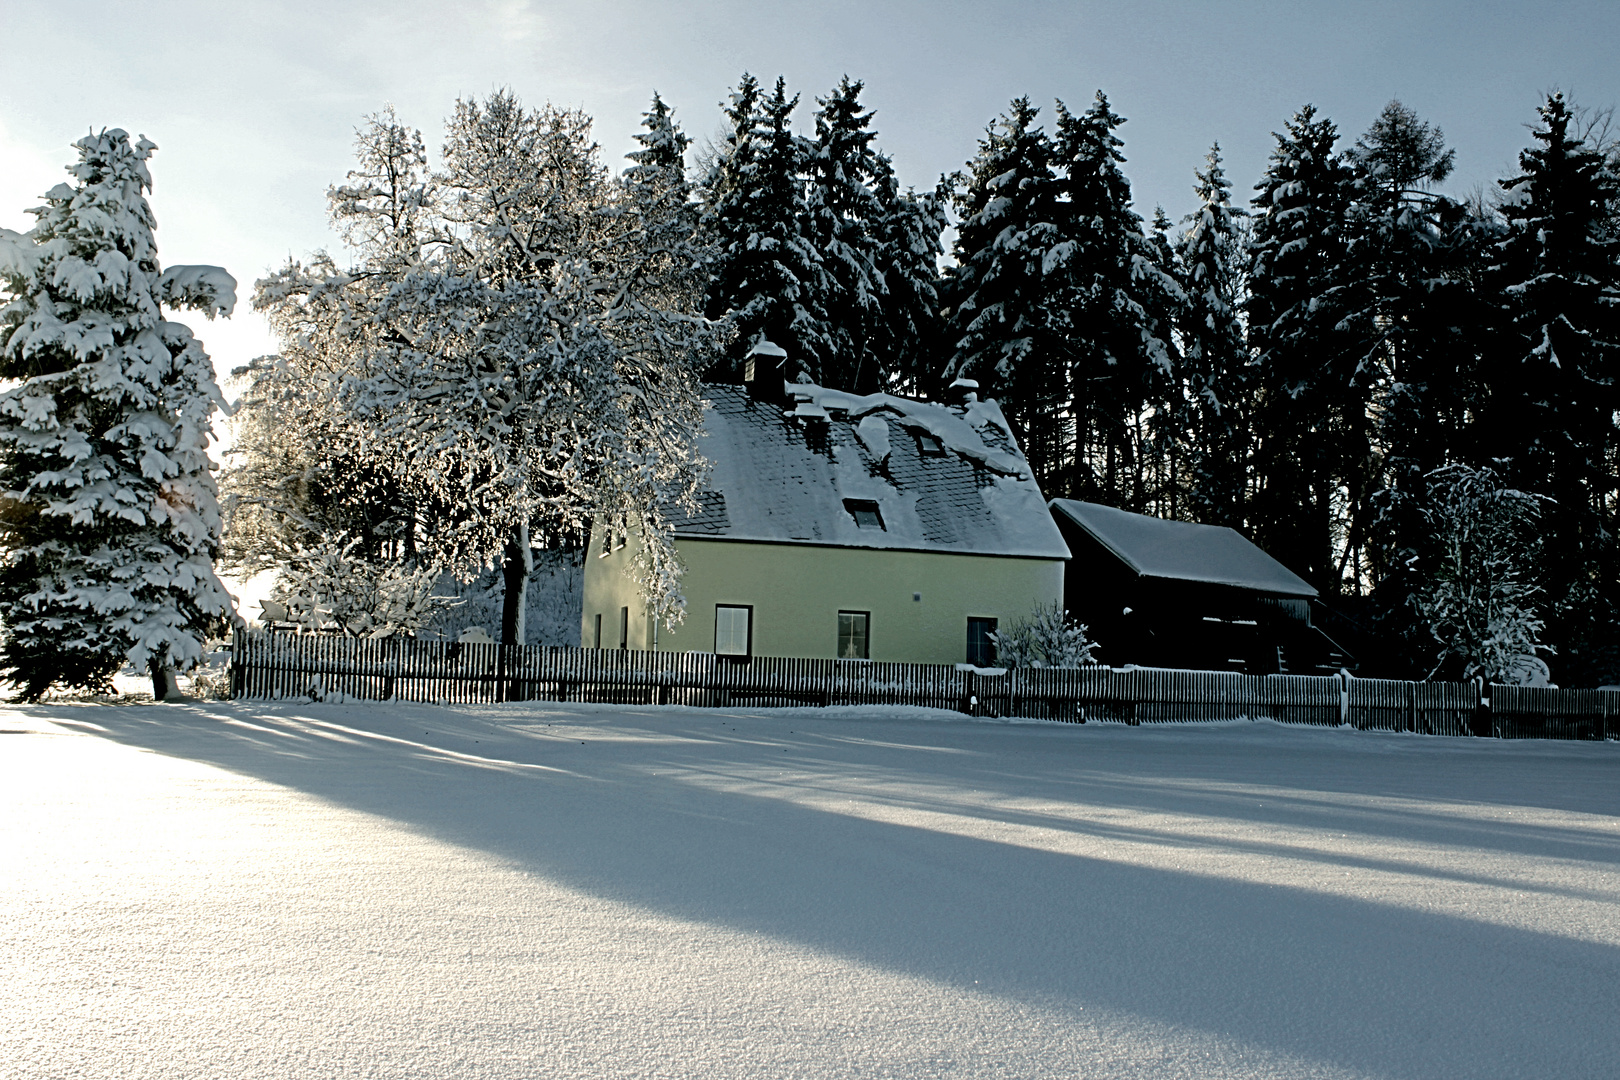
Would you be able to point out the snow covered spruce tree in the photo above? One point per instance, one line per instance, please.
(819, 249)
(840, 211)
(999, 318)
(1422, 322)
(1213, 373)
(1312, 388)
(1555, 394)
(770, 281)
(1058, 302)
(109, 521)
(909, 229)
(525, 352)
(879, 245)
(1112, 299)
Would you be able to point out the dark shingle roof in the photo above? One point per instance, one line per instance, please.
(1183, 551)
(781, 476)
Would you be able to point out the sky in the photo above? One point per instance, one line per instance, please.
(254, 106)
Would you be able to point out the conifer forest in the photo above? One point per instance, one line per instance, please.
(1410, 399)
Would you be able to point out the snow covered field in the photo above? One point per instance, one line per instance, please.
(293, 891)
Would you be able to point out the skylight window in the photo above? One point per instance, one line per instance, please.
(865, 512)
(929, 446)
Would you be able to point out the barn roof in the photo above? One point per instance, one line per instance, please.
(1183, 551)
(946, 478)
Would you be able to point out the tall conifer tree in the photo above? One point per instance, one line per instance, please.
(1414, 253)
(841, 217)
(1214, 377)
(1310, 408)
(1111, 297)
(1555, 401)
(110, 522)
(998, 318)
(769, 277)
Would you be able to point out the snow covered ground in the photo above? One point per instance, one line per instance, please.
(224, 889)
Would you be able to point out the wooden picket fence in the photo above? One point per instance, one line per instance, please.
(273, 666)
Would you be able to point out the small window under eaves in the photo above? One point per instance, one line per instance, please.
(865, 512)
(929, 446)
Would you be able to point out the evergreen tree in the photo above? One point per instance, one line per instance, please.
(1415, 255)
(999, 318)
(841, 218)
(1554, 401)
(1110, 298)
(769, 279)
(110, 521)
(908, 336)
(1313, 378)
(1214, 375)
(664, 238)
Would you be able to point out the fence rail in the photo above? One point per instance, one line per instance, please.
(277, 666)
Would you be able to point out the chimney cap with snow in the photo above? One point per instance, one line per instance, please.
(765, 372)
(962, 392)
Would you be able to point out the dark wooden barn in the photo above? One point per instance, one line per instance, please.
(1163, 593)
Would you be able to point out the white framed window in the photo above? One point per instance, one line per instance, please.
(853, 640)
(733, 629)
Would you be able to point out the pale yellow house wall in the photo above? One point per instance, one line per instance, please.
(797, 590)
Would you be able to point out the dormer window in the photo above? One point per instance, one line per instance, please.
(929, 446)
(865, 512)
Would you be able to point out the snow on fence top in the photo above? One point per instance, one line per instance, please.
(942, 477)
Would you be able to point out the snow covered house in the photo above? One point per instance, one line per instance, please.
(1174, 594)
(834, 525)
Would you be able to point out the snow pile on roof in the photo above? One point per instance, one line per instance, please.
(958, 431)
(1183, 551)
(783, 474)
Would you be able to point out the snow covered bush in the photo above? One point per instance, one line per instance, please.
(1480, 598)
(328, 587)
(109, 521)
(1047, 638)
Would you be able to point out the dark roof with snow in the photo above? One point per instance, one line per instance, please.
(944, 478)
(1182, 551)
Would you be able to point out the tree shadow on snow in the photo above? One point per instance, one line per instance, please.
(706, 820)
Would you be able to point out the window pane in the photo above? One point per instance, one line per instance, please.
(981, 650)
(731, 630)
(852, 643)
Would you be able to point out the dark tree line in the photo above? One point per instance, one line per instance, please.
(1302, 368)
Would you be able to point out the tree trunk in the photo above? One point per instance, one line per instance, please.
(514, 611)
(165, 682)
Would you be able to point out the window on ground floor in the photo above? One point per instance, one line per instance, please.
(981, 647)
(853, 643)
(733, 630)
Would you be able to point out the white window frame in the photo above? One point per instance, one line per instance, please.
(866, 636)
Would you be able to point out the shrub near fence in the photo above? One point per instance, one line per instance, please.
(278, 666)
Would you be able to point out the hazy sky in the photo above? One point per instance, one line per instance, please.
(253, 106)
